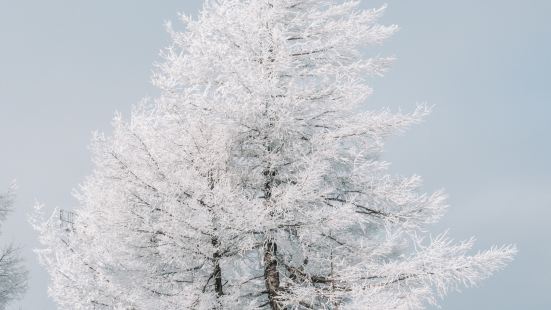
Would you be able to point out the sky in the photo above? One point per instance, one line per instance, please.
(67, 65)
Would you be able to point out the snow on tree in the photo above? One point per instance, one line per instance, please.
(13, 275)
(255, 179)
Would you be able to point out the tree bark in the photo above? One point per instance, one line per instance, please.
(217, 273)
(271, 274)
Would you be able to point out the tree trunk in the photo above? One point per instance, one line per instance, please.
(271, 274)
(217, 273)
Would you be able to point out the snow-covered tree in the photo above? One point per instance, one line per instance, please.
(255, 179)
(13, 275)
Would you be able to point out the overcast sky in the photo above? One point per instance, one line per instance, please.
(67, 66)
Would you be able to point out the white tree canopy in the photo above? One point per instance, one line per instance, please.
(255, 179)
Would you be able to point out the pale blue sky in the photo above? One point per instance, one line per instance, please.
(67, 65)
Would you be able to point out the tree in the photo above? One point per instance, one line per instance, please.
(13, 275)
(255, 179)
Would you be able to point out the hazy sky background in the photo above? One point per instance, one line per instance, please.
(66, 66)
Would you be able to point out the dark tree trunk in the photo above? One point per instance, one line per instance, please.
(217, 273)
(271, 274)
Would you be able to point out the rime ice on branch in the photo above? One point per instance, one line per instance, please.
(255, 179)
